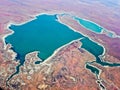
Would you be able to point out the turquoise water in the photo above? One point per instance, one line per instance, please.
(93, 47)
(96, 50)
(44, 34)
(89, 25)
(111, 35)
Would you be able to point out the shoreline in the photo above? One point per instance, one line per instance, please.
(102, 56)
(19, 23)
(102, 30)
(57, 50)
(10, 23)
(35, 17)
(53, 13)
(100, 71)
(85, 36)
(88, 28)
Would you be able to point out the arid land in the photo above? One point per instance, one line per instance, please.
(66, 69)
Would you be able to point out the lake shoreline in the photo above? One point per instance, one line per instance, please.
(57, 49)
(35, 17)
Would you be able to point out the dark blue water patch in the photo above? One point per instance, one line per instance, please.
(37, 62)
(18, 57)
(93, 69)
(17, 71)
(100, 84)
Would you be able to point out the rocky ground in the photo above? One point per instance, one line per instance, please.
(66, 70)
